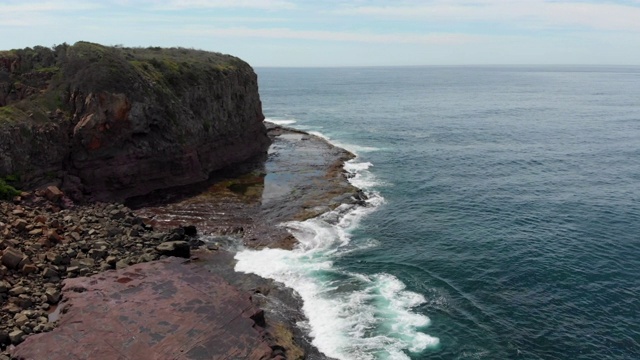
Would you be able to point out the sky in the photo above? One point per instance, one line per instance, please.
(343, 33)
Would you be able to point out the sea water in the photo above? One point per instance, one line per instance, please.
(503, 218)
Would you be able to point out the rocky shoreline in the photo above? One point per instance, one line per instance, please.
(46, 239)
(44, 243)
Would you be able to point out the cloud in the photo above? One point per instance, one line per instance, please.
(228, 4)
(525, 13)
(340, 36)
(40, 13)
(23, 7)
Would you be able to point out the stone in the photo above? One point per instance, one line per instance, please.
(49, 273)
(24, 301)
(175, 248)
(54, 258)
(97, 254)
(41, 219)
(29, 313)
(190, 230)
(21, 319)
(75, 236)
(37, 231)
(16, 336)
(117, 214)
(121, 264)
(111, 260)
(52, 193)
(55, 224)
(38, 328)
(20, 224)
(44, 243)
(53, 295)
(4, 287)
(29, 269)
(146, 257)
(52, 235)
(25, 260)
(4, 338)
(11, 258)
(12, 308)
(18, 212)
(17, 290)
(88, 262)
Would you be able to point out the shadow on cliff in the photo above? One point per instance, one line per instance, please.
(246, 180)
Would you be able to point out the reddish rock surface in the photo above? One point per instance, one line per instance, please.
(169, 309)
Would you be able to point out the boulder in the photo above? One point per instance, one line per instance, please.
(53, 295)
(16, 336)
(190, 230)
(52, 193)
(49, 273)
(29, 269)
(4, 338)
(17, 290)
(11, 258)
(175, 248)
(4, 287)
(20, 224)
(21, 319)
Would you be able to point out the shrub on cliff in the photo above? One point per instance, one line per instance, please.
(39, 79)
(7, 192)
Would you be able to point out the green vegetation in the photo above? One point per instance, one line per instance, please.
(37, 81)
(12, 114)
(7, 192)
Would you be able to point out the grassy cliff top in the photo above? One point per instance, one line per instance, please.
(36, 81)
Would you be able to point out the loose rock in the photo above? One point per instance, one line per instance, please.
(11, 258)
(175, 248)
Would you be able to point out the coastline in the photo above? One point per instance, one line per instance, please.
(303, 177)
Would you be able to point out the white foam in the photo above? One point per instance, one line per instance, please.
(361, 177)
(357, 149)
(319, 134)
(350, 315)
(279, 121)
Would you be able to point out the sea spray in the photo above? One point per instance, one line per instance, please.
(349, 315)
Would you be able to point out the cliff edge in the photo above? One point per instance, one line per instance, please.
(109, 123)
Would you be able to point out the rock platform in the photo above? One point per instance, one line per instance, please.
(167, 309)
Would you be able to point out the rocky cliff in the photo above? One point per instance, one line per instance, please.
(108, 123)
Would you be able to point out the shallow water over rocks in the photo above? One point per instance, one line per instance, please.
(301, 177)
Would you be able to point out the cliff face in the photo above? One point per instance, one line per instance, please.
(111, 123)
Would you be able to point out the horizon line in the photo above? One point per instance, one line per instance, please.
(435, 65)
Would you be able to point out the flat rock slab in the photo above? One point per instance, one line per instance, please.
(168, 309)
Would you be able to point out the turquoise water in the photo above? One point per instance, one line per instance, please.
(504, 219)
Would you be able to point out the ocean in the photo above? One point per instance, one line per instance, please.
(503, 219)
